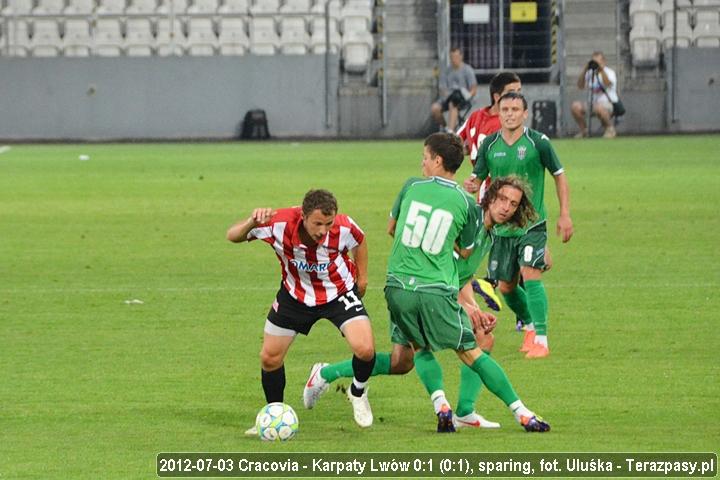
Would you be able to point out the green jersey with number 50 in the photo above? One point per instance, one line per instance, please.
(432, 214)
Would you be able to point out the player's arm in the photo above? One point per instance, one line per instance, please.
(480, 170)
(392, 223)
(564, 223)
(239, 232)
(360, 256)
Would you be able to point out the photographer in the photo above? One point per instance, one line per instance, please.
(457, 88)
(601, 81)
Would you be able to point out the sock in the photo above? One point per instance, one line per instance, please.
(517, 300)
(537, 305)
(494, 378)
(429, 371)
(438, 400)
(361, 373)
(520, 410)
(542, 340)
(344, 369)
(530, 327)
(470, 385)
(273, 384)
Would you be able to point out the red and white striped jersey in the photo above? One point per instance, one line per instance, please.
(313, 275)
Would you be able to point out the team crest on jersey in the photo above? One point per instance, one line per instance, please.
(521, 152)
(310, 267)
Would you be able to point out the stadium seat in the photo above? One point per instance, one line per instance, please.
(318, 44)
(141, 7)
(318, 8)
(232, 39)
(77, 40)
(17, 7)
(79, 7)
(357, 51)
(684, 35)
(684, 12)
(170, 39)
(645, 13)
(263, 38)
(49, 7)
(265, 7)
(706, 35)
(707, 11)
(202, 40)
(179, 7)
(108, 38)
(353, 15)
(46, 40)
(139, 40)
(111, 7)
(200, 7)
(645, 46)
(15, 41)
(294, 38)
(234, 7)
(295, 6)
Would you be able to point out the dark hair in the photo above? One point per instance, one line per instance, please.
(449, 146)
(499, 82)
(525, 212)
(319, 200)
(456, 49)
(514, 96)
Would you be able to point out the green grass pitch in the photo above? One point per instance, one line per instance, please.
(92, 387)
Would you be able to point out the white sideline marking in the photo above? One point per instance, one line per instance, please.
(4, 148)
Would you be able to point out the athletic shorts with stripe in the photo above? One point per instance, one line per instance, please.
(289, 314)
(508, 254)
(430, 321)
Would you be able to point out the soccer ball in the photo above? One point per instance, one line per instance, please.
(276, 422)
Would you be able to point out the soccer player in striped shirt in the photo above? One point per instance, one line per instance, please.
(319, 280)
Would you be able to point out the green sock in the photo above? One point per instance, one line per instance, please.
(344, 369)
(494, 378)
(517, 300)
(470, 385)
(429, 371)
(538, 305)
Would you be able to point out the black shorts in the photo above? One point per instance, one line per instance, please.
(287, 312)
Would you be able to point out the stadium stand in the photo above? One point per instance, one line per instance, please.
(77, 41)
(16, 36)
(17, 7)
(200, 7)
(170, 39)
(265, 7)
(201, 40)
(141, 7)
(294, 39)
(111, 7)
(79, 7)
(139, 40)
(264, 39)
(49, 7)
(233, 39)
(108, 38)
(46, 41)
(234, 7)
(318, 44)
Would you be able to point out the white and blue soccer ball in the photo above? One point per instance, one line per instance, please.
(276, 422)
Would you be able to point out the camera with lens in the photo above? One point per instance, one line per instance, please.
(593, 65)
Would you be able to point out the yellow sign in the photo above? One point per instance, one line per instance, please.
(523, 12)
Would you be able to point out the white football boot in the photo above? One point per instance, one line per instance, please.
(315, 386)
(473, 420)
(361, 408)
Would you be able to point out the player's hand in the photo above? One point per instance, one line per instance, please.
(565, 228)
(489, 322)
(471, 185)
(262, 215)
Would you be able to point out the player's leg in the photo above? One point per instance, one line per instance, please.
(276, 342)
(531, 254)
(470, 386)
(497, 381)
(503, 268)
(578, 113)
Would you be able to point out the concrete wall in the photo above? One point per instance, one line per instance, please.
(150, 98)
(698, 90)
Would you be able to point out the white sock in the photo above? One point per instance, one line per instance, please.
(530, 327)
(520, 410)
(438, 399)
(542, 340)
(359, 385)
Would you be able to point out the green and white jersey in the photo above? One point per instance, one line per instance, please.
(527, 158)
(483, 241)
(432, 215)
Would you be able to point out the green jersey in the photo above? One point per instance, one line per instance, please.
(483, 241)
(432, 214)
(527, 158)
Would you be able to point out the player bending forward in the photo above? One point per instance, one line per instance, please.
(319, 280)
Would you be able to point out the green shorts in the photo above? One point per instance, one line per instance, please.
(508, 254)
(435, 322)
